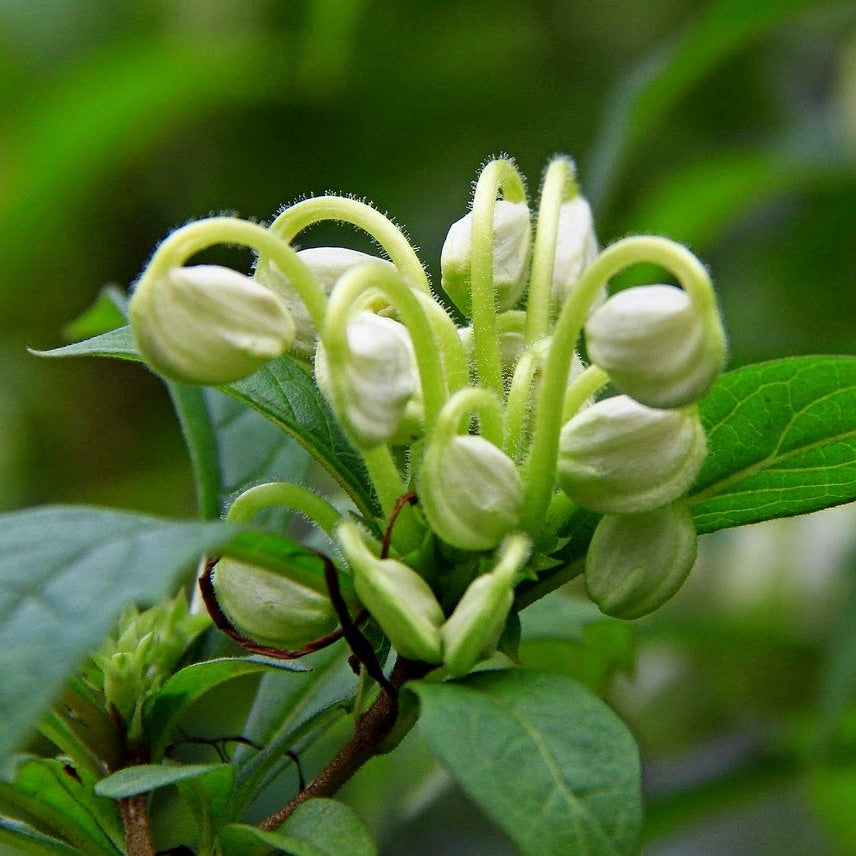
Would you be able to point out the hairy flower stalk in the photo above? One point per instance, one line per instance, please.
(493, 430)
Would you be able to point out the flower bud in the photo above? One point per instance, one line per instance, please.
(474, 628)
(327, 264)
(208, 324)
(470, 634)
(384, 395)
(511, 244)
(398, 598)
(512, 343)
(637, 562)
(269, 608)
(576, 247)
(620, 457)
(470, 492)
(656, 344)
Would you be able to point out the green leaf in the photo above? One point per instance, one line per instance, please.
(208, 798)
(647, 93)
(61, 802)
(571, 636)
(252, 450)
(27, 840)
(104, 315)
(282, 392)
(781, 439)
(286, 710)
(143, 778)
(163, 710)
(285, 394)
(80, 727)
(65, 575)
(319, 827)
(201, 441)
(543, 757)
(118, 343)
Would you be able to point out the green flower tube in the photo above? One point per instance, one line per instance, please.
(398, 598)
(471, 632)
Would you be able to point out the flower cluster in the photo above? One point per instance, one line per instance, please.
(492, 423)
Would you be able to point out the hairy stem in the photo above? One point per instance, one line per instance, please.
(371, 729)
(135, 820)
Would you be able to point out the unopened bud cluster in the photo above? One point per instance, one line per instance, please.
(498, 416)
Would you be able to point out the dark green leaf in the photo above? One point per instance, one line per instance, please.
(80, 727)
(27, 840)
(782, 441)
(283, 393)
(252, 450)
(319, 827)
(163, 710)
(208, 797)
(548, 761)
(61, 802)
(65, 575)
(149, 777)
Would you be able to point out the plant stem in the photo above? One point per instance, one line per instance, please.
(371, 729)
(135, 820)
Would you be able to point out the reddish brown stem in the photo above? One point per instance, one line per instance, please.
(135, 820)
(371, 729)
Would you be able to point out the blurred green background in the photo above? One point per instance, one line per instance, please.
(729, 125)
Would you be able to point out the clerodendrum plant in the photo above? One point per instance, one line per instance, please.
(484, 467)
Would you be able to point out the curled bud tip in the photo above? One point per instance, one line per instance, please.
(382, 399)
(657, 345)
(327, 265)
(398, 598)
(470, 492)
(619, 457)
(576, 246)
(511, 246)
(208, 324)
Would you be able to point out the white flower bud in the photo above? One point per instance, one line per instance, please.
(512, 238)
(512, 343)
(620, 457)
(208, 324)
(656, 345)
(576, 248)
(327, 264)
(384, 395)
(470, 492)
(637, 562)
(398, 598)
(270, 608)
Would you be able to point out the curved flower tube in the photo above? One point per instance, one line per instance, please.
(468, 488)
